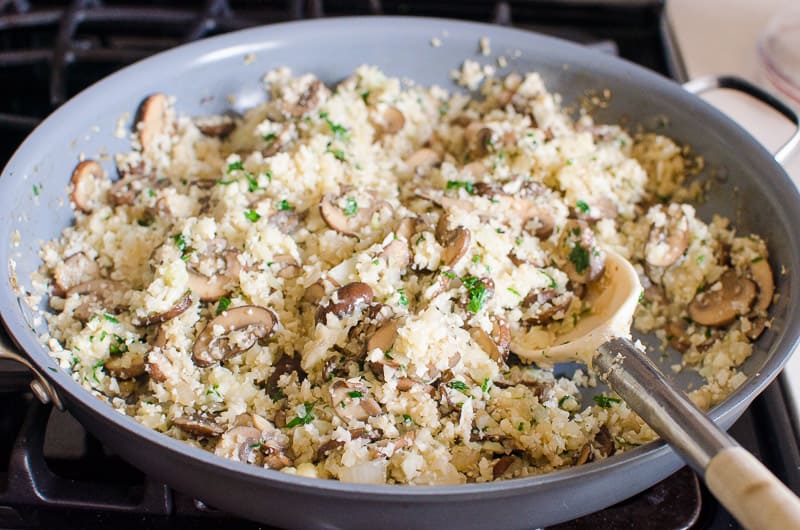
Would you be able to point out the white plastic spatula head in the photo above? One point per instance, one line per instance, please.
(613, 301)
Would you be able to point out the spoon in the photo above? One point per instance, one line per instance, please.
(737, 479)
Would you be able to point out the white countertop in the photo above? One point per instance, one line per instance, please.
(719, 37)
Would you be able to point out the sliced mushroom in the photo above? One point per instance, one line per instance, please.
(393, 120)
(604, 441)
(198, 425)
(668, 242)
(757, 326)
(99, 294)
(157, 365)
(215, 126)
(284, 365)
(218, 285)
(550, 305)
(348, 297)
(383, 339)
(396, 253)
(242, 327)
(497, 344)
(720, 304)
(341, 219)
(501, 465)
(176, 310)
(85, 181)
(289, 268)
(76, 269)
(152, 119)
(761, 273)
(423, 160)
(587, 454)
(677, 337)
(125, 366)
(351, 401)
(287, 221)
(389, 446)
(309, 100)
(455, 241)
(478, 138)
(584, 261)
(133, 179)
(408, 226)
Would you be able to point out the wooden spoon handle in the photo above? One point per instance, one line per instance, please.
(750, 492)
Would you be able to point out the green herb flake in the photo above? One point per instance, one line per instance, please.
(111, 318)
(514, 291)
(95, 366)
(486, 384)
(518, 241)
(270, 137)
(376, 261)
(252, 215)
(252, 182)
(449, 275)
(469, 187)
(407, 419)
(756, 260)
(225, 182)
(579, 257)
(351, 207)
(285, 206)
(582, 206)
(37, 188)
(478, 294)
(364, 96)
(103, 336)
(256, 445)
(235, 166)
(476, 258)
(403, 301)
(223, 304)
(521, 426)
(305, 419)
(563, 400)
(355, 394)
(605, 402)
(553, 283)
(118, 347)
(460, 386)
(444, 108)
(151, 192)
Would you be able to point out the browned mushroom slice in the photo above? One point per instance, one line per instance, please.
(585, 262)
(180, 306)
(720, 304)
(677, 337)
(287, 221)
(215, 126)
(309, 100)
(288, 266)
(344, 214)
(241, 326)
(550, 305)
(501, 465)
(761, 273)
(125, 366)
(351, 401)
(423, 160)
(586, 455)
(348, 297)
(152, 119)
(497, 344)
(383, 339)
(157, 365)
(757, 326)
(408, 226)
(668, 242)
(393, 120)
(478, 138)
(396, 253)
(214, 287)
(75, 269)
(198, 425)
(284, 365)
(455, 241)
(85, 179)
(604, 441)
(100, 294)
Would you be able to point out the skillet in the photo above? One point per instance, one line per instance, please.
(749, 187)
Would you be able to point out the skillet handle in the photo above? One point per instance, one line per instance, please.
(704, 84)
(40, 386)
(742, 484)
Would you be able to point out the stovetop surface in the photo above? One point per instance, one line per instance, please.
(55, 475)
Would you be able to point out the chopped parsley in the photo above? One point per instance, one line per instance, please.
(95, 366)
(403, 301)
(579, 257)
(252, 215)
(461, 386)
(486, 384)
(756, 260)
(223, 304)
(256, 445)
(235, 166)
(118, 346)
(606, 401)
(285, 206)
(521, 426)
(478, 293)
(444, 108)
(350, 206)
(338, 154)
(150, 192)
(214, 390)
(449, 275)
(563, 400)
(355, 394)
(111, 318)
(270, 137)
(252, 182)
(103, 335)
(582, 206)
(225, 182)
(514, 291)
(469, 187)
(407, 419)
(518, 241)
(364, 96)
(37, 188)
(553, 283)
(340, 132)
(305, 419)
(476, 258)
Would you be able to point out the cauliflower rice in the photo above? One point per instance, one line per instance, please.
(329, 284)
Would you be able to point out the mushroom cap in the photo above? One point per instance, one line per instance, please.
(85, 180)
(393, 120)
(720, 304)
(584, 260)
(180, 306)
(423, 160)
(198, 425)
(344, 222)
(257, 322)
(761, 273)
(349, 297)
(668, 241)
(152, 119)
(125, 366)
(455, 241)
(212, 288)
(218, 126)
(351, 402)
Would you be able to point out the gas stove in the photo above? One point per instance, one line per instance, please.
(53, 474)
